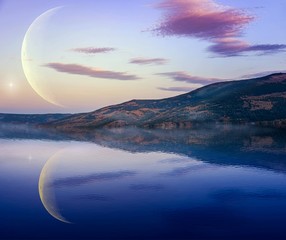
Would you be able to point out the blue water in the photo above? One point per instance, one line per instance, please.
(135, 184)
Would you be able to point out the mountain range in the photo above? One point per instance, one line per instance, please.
(258, 101)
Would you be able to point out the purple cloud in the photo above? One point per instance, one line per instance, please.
(93, 50)
(234, 47)
(201, 18)
(145, 61)
(185, 77)
(91, 72)
(176, 89)
(266, 47)
(229, 47)
(207, 20)
(261, 74)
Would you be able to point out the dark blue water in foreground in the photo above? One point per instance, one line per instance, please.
(131, 184)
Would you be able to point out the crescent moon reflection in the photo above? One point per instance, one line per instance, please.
(46, 192)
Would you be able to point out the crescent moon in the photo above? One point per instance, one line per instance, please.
(29, 71)
(47, 195)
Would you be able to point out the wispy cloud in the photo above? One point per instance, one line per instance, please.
(146, 187)
(235, 47)
(207, 20)
(262, 74)
(94, 197)
(89, 71)
(187, 169)
(188, 78)
(266, 48)
(185, 77)
(93, 50)
(176, 160)
(145, 61)
(79, 180)
(176, 89)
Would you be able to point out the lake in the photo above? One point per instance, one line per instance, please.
(220, 182)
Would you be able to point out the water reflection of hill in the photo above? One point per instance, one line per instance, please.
(227, 145)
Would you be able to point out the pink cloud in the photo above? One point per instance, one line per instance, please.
(91, 72)
(93, 50)
(201, 18)
(176, 89)
(205, 19)
(185, 77)
(145, 61)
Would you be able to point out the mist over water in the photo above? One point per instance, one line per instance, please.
(211, 183)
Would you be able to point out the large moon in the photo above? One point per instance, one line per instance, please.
(80, 56)
(32, 52)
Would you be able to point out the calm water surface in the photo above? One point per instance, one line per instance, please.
(134, 184)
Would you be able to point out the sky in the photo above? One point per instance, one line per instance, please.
(77, 56)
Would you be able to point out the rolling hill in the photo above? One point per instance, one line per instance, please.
(259, 101)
